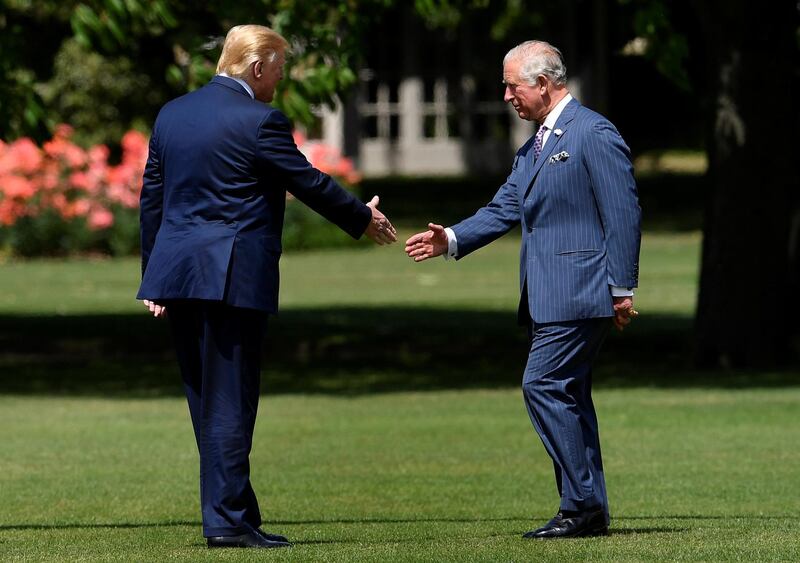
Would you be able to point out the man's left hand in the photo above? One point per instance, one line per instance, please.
(157, 310)
(623, 312)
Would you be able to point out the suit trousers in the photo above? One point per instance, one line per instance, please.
(557, 388)
(219, 354)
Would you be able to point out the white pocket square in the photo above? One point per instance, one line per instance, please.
(563, 155)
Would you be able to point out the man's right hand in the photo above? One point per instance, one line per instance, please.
(429, 244)
(380, 229)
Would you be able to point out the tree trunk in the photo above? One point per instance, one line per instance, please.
(749, 276)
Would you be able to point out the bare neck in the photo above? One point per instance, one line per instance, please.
(554, 98)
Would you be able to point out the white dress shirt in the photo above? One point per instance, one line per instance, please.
(244, 84)
(550, 123)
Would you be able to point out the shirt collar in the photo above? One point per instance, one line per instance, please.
(552, 117)
(244, 84)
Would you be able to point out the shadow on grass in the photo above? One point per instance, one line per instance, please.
(341, 351)
(100, 525)
(432, 520)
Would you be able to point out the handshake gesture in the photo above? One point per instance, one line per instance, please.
(429, 244)
(380, 229)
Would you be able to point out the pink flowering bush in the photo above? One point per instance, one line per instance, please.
(328, 159)
(303, 228)
(61, 198)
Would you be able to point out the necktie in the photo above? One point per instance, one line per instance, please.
(537, 142)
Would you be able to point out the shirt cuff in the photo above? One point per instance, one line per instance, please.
(452, 244)
(620, 291)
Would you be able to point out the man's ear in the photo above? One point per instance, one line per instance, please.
(541, 83)
(258, 68)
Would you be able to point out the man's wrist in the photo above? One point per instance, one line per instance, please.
(452, 244)
(617, 291)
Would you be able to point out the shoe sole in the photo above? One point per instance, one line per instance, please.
(597, 532)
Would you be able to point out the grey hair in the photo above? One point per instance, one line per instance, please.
(538, 57)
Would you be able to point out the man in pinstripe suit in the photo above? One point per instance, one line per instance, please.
(571, 188)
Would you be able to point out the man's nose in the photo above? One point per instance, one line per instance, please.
(507, 95)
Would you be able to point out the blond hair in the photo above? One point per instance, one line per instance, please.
(246, 44)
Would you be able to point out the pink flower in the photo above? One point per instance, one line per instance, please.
(98, 155)
(10, 211)
(327, 159)
(63, 130)
(299, 138)
(24, 155)
(60, 147)
(81, 180)
(134, 145)
(100, 218)
(17, 187)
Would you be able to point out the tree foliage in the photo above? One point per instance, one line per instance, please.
(100, 52)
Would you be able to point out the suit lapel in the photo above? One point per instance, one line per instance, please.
(523, 170)
(552, 141)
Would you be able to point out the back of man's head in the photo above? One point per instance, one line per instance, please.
(246, 44)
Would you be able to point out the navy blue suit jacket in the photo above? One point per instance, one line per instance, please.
(580, 219)
(214, 194)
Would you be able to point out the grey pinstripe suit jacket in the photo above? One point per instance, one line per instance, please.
(580, 219)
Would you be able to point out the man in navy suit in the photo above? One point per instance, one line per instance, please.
(212, 209)
(571, 189)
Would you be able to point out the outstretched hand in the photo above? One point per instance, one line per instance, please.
(429, 244)
(623, 312)
(380, 229)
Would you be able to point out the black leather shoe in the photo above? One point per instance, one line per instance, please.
(250, 539)
(270, 537)
(573, 525)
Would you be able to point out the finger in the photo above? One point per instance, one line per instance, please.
(414, 239)
(373, 203)
(420, 249)
(436, 228)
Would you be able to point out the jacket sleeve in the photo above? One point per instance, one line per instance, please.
(491, 221)
(151, 200)
(278, 155)
(608, 162)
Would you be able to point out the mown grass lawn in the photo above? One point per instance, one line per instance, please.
(437, 476)
(371, 277)
(392, 428)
